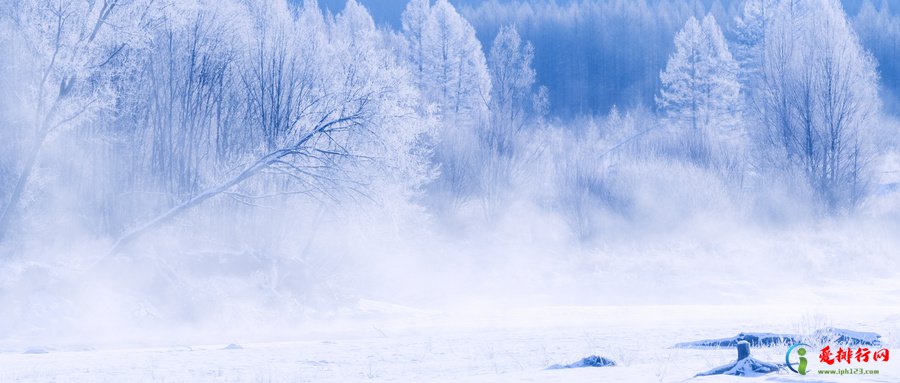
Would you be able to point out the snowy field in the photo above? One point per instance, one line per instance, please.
(512, 345)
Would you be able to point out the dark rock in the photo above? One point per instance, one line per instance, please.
(745, 364)
(745, 367)
(847, 337)
(743, 348)
(591, 361)
(755, 339)
(759, 339)
(233, 347)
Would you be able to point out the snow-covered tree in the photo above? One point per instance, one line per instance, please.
(183, 128)
(453, 66)
(722, 90)
(700, 91)
(879, 31)
(749, 38)
(72, 50)
(392, 160)
(819, 96)
(455, 86)
(515, 102)
(456, 62)
(325, 121)
(516, 105)
(414, 23)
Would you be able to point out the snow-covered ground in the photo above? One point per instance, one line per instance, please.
(396, 344)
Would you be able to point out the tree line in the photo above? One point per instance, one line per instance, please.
(124, 116)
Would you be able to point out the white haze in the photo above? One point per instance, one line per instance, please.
(422, 200)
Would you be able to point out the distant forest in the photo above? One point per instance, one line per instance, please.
(592, 54)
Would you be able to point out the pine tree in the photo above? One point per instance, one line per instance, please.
(455, 84)
(700, 90)
(515, 102)
(515, 105)
(447, 59)
(680, 97)
(749, 31)
(414, 22)
(457, 69)
(723, 90)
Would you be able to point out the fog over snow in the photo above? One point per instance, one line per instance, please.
(434, 190)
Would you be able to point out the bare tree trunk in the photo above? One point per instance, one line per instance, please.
(193, 201)
(260, 164)
(16, 196)
(65, 87)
